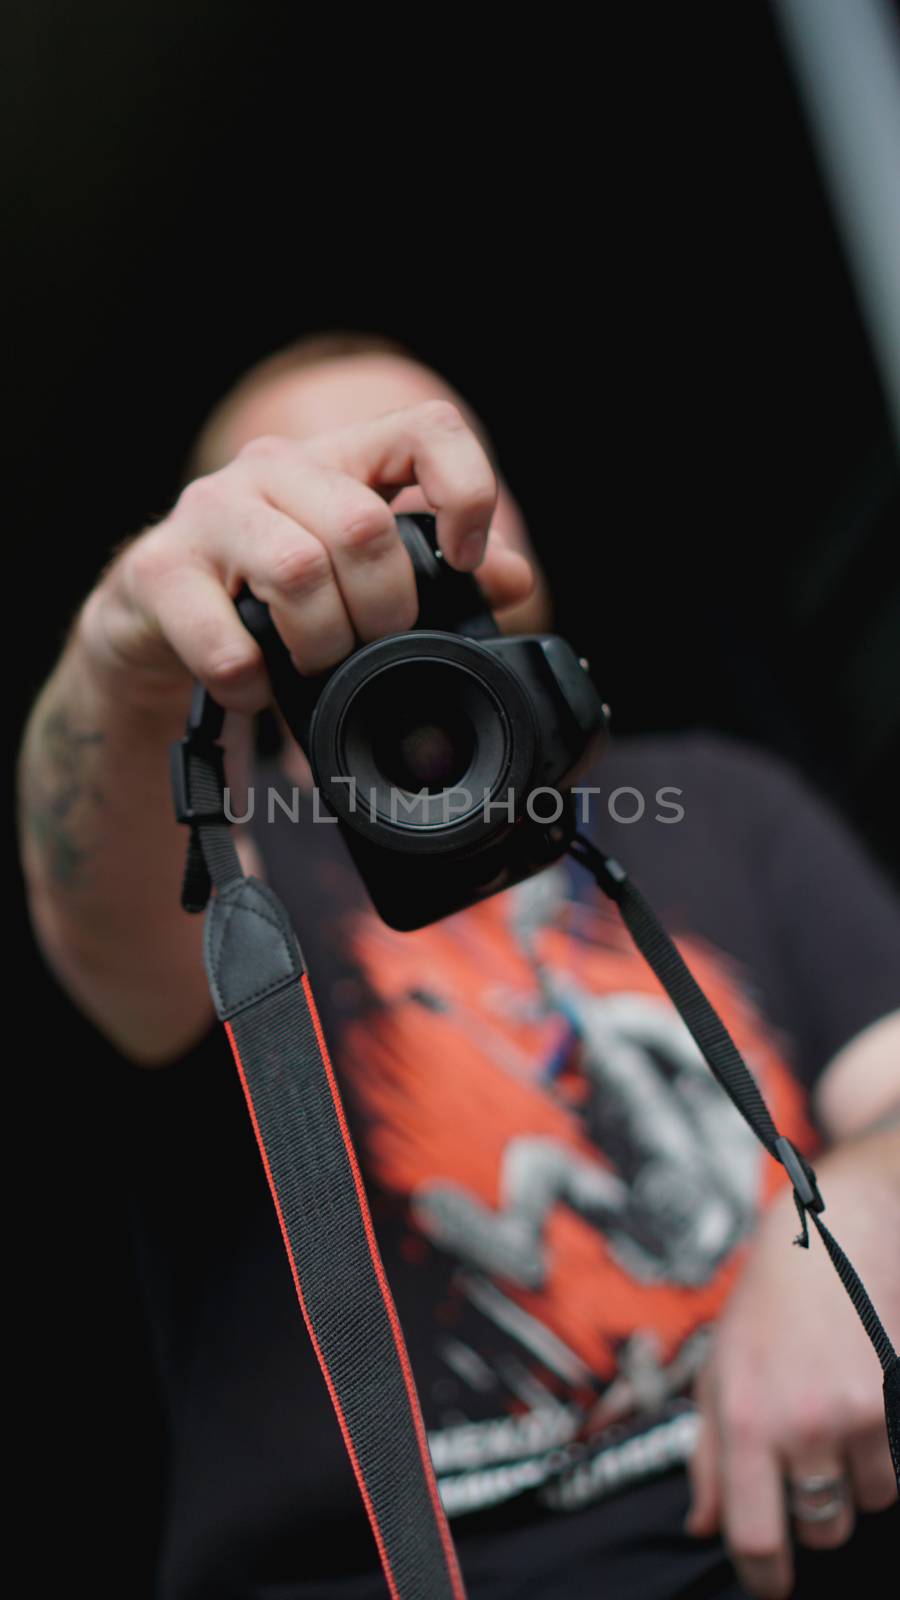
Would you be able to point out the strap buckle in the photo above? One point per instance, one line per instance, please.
(803, 1180)
(801, 1175)
(213, 756)
(204, 724)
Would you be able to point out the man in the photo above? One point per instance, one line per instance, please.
(576, 1225)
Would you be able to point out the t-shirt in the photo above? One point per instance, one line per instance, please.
(562, 1195)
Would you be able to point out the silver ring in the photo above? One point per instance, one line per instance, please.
(818, 1499)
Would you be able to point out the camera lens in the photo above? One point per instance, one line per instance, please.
(423, 739)
(426, 748)
(412, 743)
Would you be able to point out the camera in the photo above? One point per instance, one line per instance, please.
(445, 753)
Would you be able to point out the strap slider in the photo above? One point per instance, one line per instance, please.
(801, 1174)
(213, 756)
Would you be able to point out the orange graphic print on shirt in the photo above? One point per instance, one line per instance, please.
(529, 1091)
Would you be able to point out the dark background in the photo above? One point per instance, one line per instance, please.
(618, 248)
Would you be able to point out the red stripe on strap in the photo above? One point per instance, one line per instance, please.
(354, 1461)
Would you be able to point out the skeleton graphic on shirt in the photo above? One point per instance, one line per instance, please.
(679, 1188)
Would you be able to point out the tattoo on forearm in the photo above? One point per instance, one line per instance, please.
(61, 796)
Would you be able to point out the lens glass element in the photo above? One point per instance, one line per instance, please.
(425, 738)
(427, 747)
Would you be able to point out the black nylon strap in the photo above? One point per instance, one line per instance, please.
(704, 1024)
(337, 1272)
(731, 1071)
(261, 993)
(892, 1410)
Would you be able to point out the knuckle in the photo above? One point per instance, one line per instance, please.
(364, 527)
(254, 521)
(229, 670)
(441, 414)
(200, 497)
(149, 561)
(262, 448)
(300, 567)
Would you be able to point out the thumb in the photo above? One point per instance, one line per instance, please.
(505, 576)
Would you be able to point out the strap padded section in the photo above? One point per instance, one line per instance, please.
(250, 948)
(345, 1300)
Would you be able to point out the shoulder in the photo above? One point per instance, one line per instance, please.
(732, 791)
(719, 755)
(713, 768)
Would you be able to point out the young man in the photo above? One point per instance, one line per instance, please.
(574, 1222)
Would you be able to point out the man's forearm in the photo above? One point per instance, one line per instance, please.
(103, 857)
(871, 1156)
(860, 1088)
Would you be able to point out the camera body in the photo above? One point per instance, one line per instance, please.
(445, 753)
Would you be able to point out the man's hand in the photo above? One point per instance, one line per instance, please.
(793, 1390)
(309, 526)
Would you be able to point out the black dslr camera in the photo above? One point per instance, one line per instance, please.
(444, 752)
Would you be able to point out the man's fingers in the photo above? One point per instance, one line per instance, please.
(304, 525)
(353, 524)
(247, 539)
(292, 571)
(754, 1517)
(874, 1484)
(371, 565)
(432, 445)
(202, 626)
(703, 1518)
(819, 1497)
(505, 577)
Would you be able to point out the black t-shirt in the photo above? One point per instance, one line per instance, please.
(561, 1194)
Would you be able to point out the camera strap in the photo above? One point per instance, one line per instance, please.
(731, 1072)
(261, 991)
(262, 994)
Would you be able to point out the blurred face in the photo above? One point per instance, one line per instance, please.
(352, 389)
